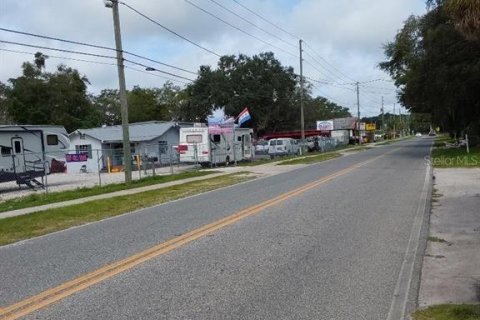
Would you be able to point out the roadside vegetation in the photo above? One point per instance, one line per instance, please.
(311, 159)
(436, 239)
(39, 223)
(447, 155)
(35, 200)
(449, 312)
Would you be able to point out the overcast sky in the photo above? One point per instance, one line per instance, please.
(343, 39)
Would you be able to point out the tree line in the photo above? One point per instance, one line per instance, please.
(270, 90)
(435, 62)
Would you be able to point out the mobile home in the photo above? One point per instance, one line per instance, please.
(198, 145)
(30, 151)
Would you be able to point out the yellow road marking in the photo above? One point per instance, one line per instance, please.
(68, 288)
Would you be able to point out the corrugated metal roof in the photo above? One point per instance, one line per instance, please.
(142, 131)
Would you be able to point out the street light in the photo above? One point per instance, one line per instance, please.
(127, 158)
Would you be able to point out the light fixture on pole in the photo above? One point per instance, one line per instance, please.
(127, 158)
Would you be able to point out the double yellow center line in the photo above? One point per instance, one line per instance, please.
(66, 289)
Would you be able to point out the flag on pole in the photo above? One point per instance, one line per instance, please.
(244, 116)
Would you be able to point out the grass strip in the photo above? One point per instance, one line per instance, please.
(456, 157)
(35, 200)
(436, 239)
(311, 159)
(36, 224)
(449, 312)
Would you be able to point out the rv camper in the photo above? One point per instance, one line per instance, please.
(31, 151)
(198, 145)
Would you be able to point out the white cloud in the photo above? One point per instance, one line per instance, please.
(348, 34)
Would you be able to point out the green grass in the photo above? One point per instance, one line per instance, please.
(436, 239)
(35, 224)
(311, 159)
(449, 312)
(42, 199)
(456, 157)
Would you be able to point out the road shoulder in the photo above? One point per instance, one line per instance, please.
(451, 264)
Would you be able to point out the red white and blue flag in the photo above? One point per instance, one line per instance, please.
(244, 116)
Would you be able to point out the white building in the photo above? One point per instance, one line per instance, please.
(103, 146)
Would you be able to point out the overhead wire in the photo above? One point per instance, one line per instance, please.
(239, 29)
(328, 63)
(169, 30)
(90, 61)
(93, 55)
(59, 57)
(266, 20)
(94, 46)
(253, 24)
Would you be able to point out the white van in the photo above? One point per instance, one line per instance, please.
(282, 147)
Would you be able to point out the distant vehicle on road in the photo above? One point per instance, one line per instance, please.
(282, 147)
(418, 134)
(432, 134)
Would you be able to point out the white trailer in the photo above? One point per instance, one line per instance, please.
(28, 151)
(197, 145)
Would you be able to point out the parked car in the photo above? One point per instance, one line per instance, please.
(261, 147)
(282, 147)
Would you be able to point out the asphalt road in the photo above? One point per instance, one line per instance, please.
(334, 251)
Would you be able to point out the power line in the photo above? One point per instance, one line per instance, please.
(93, 55)
(332, 66)
(56, 49)
(239, 29)
(169, 30)
(155, 75)
(266, 20)
(93, 46)
(153, 69)
(253, 24)
(334, 74)
(319, 71)
(59, 57)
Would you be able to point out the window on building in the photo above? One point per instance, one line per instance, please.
(84, 148)
(216, 138)
(163, 147)
(18, 146)
(194, 138)
(52, 139)
(6, 151)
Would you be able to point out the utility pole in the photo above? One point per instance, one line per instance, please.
(127, 158)
(358, 114)
(383, 117)
(302, 120)
(394, 121)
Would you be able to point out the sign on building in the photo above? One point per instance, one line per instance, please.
(344, 123)
(370, 127)
(76, 157)
(325, 125)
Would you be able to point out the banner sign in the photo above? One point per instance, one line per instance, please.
(220, 126)
(325, 125)
(76, 157)
(344, 123)
(370, 127)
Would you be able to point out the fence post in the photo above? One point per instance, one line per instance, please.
(98, 168)
(466, 141)
(45, 164)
